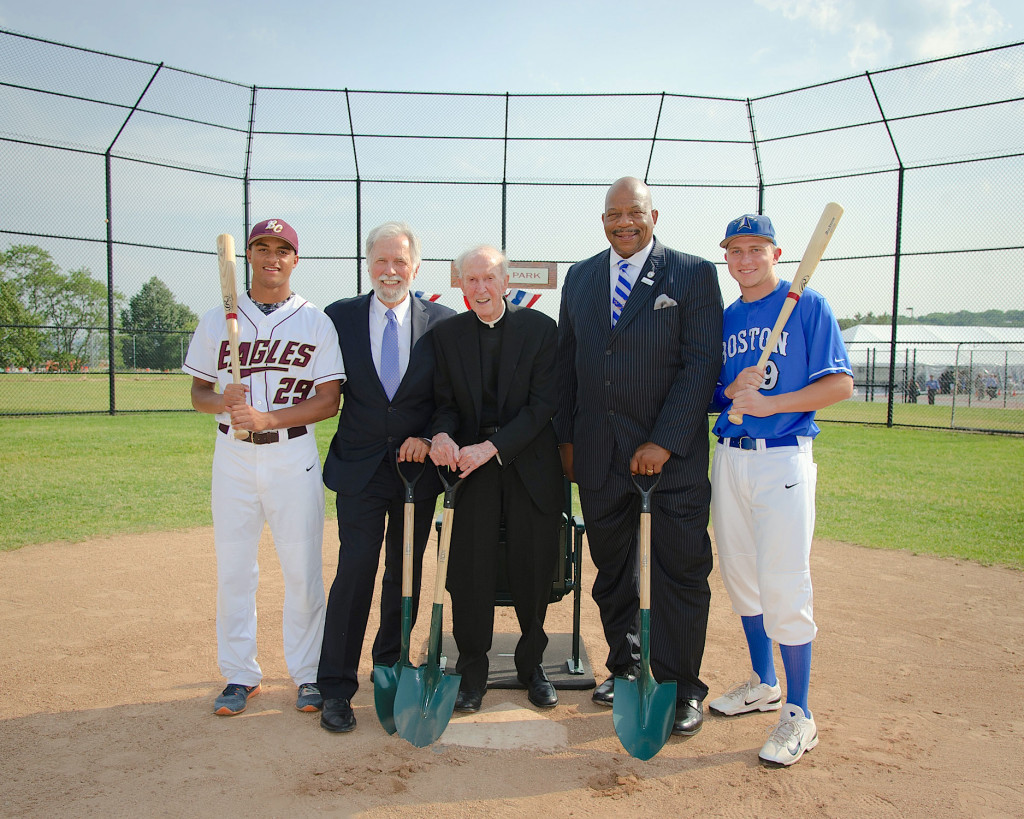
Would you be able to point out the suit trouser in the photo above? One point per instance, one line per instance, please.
(531, 550)
(360, 532)
(681, 561)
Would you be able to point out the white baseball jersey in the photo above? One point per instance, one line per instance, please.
(283, 356)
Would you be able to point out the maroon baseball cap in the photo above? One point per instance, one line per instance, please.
(275, 227)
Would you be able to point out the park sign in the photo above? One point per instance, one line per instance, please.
(527, 275)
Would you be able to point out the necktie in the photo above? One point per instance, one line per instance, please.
(622, 288)
(390, 377)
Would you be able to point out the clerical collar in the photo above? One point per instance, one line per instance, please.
(499, 318)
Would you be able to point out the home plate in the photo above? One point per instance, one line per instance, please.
(506, 726)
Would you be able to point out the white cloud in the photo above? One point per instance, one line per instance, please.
(871, 45)
(822, 14)
(875, 31)
(960, 25)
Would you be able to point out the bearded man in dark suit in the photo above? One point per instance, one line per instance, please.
(387, 405)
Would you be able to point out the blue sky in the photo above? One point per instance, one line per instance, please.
(741, 49)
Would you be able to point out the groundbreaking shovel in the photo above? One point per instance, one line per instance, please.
(643, 710)
(385, 678)
(426, 697)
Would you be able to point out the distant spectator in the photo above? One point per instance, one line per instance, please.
(932, 385)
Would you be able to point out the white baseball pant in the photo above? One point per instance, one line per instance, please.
(279, 484)
(762, 509)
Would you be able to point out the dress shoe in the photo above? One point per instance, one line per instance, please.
(469, 701)
(604, 694)
(689, 718)
(539, 689)
(337, 716)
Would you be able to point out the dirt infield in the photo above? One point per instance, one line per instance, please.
(108, 672)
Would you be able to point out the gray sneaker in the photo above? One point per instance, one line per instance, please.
(233, 699)
(309, 698)
(752, 695)
(795, 734)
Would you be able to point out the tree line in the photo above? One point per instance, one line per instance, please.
(961, 318)
(54, 319)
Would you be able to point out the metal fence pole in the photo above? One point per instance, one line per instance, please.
(1006, 375)
(359, 196)
(654, 138)
(246, 182)
(504, 183)
(899, 239)
(956, 387)
(970, 379)
(757, 157)
(110, 244)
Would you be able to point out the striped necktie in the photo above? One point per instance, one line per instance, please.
(390, 377)
(622, 288)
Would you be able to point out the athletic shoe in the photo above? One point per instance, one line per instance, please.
(309, 698)
(788, 740)
(752, 695)
(232, 699)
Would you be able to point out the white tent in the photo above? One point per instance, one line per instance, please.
(936, 346)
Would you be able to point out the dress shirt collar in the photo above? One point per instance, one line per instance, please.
(637, 260)
(378, 310)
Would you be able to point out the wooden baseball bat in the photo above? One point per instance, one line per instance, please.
(812, 255)
(226, 261)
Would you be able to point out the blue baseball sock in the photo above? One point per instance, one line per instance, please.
(797, 660)
(760, 648)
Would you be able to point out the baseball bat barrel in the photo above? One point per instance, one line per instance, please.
(229, 293)
(808, 264)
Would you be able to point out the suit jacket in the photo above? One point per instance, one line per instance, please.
(649, 378)
(527, 396)
(370, 426)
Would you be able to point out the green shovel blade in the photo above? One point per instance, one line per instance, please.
(643, 712)
(386, 677)
(424, 704)
(426, 696)
(385, 687)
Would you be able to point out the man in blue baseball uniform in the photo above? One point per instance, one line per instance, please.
(763, 477)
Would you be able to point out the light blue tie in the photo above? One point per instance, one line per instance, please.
(622, 288)
(390, 377)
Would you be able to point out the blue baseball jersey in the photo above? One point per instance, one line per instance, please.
(810, 347)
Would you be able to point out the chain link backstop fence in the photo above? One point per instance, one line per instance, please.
(126, 171)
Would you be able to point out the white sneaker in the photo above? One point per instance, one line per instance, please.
(788, 740)
(752, 695)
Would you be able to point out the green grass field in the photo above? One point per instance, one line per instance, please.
(71, 478)
(147, 392)
(90, 392)
(993, 417)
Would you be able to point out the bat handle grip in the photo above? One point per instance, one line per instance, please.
(735, 418)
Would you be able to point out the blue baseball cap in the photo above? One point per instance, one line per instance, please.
(750, 224)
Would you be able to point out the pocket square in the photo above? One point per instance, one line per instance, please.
(665, 300)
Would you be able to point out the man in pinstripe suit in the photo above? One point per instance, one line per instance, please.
(639, 351)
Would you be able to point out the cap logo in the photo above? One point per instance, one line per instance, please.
(275, 226)
(744, 224)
